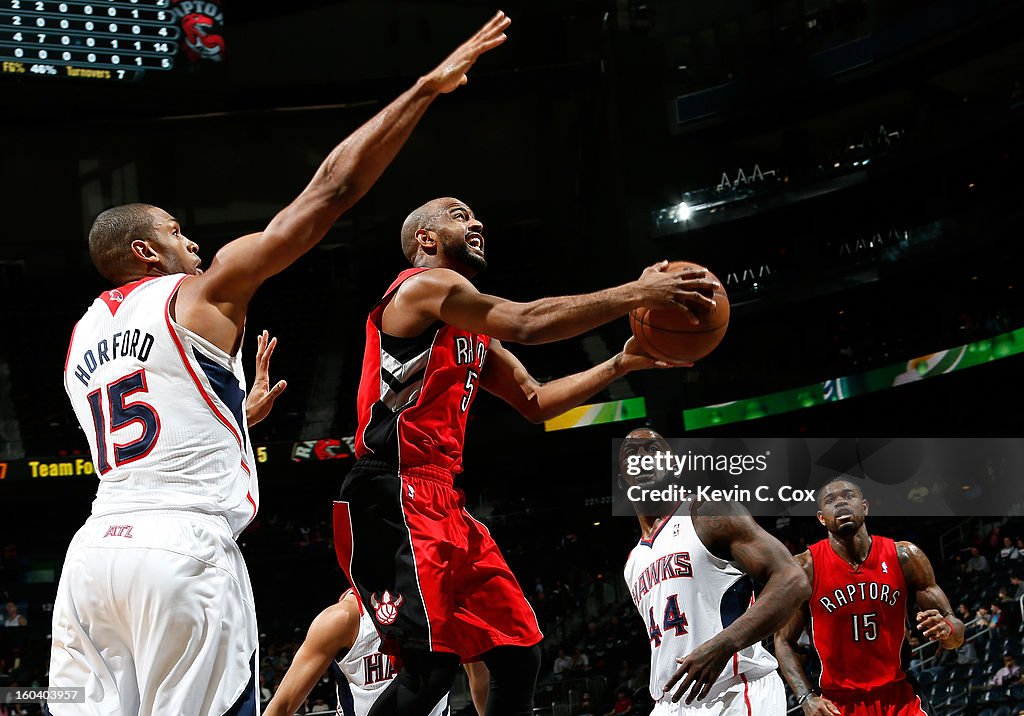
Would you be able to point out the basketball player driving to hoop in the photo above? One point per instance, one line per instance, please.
(440, 588)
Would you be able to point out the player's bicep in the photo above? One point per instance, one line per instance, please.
(466, 308)
(230, 280)
(506, 377)
(920, 578)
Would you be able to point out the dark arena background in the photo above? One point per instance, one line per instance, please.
(851, 169)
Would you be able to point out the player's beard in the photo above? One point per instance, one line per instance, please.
(468, 258)
(847, 528)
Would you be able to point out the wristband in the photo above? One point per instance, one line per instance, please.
(952, 631)
(807, 695)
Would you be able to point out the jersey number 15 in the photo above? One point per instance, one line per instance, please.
(123, 414)
(865, 627)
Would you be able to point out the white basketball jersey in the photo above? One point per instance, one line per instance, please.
(163, 409)
(369, 672)
(686, 595)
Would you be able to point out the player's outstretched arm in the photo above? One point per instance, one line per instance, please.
(935, 619)
(786, 651)
(343, 178)
(764, 558)
(506, 377)
(444, 295)
(333, 630)
(261, 396)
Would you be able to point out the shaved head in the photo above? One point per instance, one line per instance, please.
(111, 236)
(421, 218)
(426, 217)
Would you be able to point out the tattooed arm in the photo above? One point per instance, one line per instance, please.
(935, 618)
(739, 539)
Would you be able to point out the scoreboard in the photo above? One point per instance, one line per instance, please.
(99, 39)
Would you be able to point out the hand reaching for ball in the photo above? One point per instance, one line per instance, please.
(633, 358)
(678, 286)
(690, 318)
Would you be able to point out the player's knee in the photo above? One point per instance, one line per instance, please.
(513, 679)
(513, 663)
(432, 672)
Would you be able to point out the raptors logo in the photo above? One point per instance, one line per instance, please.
(201, 22)
(387, 608)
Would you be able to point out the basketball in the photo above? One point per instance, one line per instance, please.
(668, 334)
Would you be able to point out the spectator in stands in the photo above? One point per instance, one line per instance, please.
(1010, 618)
(967, 654)
(994, 539)
(1010, 673)
(625, 676)
(13, 618)
(561, 596)
(977, 563)
(586, 706)
(984, 622)
(563, 663)
(623, 704)
(964, 612)
(580, 662)
(995, 616)
(1018, 586)
(1009, 552)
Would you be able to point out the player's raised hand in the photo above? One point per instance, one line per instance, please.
(701, 668)
(261, 395)
(683, 289)
(933, 625)
(816, 705)
(452, 72)
(633, 358)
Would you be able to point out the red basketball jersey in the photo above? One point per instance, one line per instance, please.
(415, 393)
(857, 618)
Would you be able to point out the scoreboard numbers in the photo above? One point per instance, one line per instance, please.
(95, 39)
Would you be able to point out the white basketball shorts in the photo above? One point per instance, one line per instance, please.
(762, 696)
(154, 615)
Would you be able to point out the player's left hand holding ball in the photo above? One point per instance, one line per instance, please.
(933, 625)
(633, 358)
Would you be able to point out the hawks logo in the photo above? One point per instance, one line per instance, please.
(201, 22)
(387, 608)
(115, 295)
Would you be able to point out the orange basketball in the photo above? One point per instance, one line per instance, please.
(668, 334)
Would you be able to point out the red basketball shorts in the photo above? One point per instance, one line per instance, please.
(896, 699)
(430, 575)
